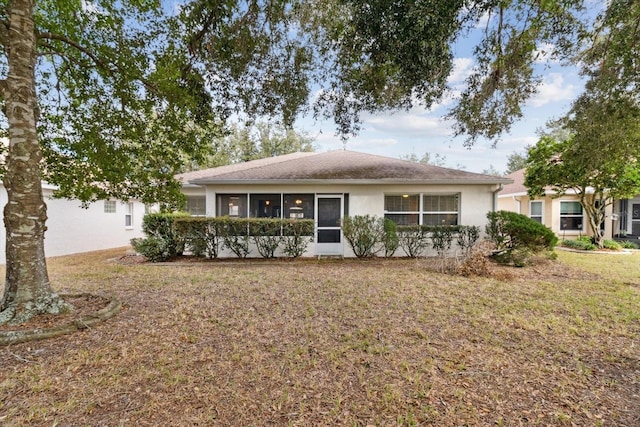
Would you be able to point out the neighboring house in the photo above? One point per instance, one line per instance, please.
(628, 218)
(327, 186)
(562, 214)
(72, 229)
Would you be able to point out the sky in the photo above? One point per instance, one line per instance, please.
(419, 131)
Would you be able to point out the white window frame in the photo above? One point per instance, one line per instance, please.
(418, 213)
(425, 212)
(421, 212)
(541, 216)
(110, 206)
(128, 215)
(582, 215)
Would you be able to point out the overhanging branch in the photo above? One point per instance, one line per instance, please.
(78, 46)
(109, 67)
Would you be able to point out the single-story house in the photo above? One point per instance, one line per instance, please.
(564, 215)
(326, 186)
(73, 229)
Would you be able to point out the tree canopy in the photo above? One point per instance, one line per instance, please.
(594, 150)
(426, 159)
(516, 161)
(245, 143)
(107, 99)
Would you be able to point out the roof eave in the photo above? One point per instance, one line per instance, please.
(459, 181)
(516, 194)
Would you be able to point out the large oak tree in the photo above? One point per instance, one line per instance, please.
(107, 98)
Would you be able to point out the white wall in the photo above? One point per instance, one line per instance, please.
(475, 200)
(72, 229)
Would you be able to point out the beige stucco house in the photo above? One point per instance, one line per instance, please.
(327, 186)
(564, 214)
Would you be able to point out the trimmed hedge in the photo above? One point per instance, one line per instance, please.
(162, 242)
(368, 235)
(170, 234)
(160, 225)
(202, 235)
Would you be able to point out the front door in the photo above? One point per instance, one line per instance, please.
(329, 231)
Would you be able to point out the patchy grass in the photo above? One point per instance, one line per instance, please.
(312, 342)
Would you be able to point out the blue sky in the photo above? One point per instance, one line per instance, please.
(418, 130)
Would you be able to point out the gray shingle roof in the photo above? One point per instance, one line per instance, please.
(333, 167)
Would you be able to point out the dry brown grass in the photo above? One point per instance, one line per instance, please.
(337, 343)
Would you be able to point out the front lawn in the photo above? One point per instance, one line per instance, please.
(334, 342)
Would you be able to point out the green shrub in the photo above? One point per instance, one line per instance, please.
(441, 240)
(297, 234)
(390, 239)
(207, 236)
(160, 225)
(154, 248)
(517, 237)
(266, 234)
(413, 240)
(364, 233)
(580, 244)
(611, 244)
(236, 236)
(586, 243)
(467, 238)
(629, 245)
(202, 236)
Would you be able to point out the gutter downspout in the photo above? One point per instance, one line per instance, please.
(495, 196)
(517, 200)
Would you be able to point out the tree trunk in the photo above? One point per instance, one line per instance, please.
(27, 289)
(595, 215)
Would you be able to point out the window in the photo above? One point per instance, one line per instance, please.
(571, 217)
(109, 206)
(265, 206)
(403, 209)
(535, 211)
(436, 209)
(128, 215)
(298, 206)
(196, 205)
(440, 209)
(234, 205)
